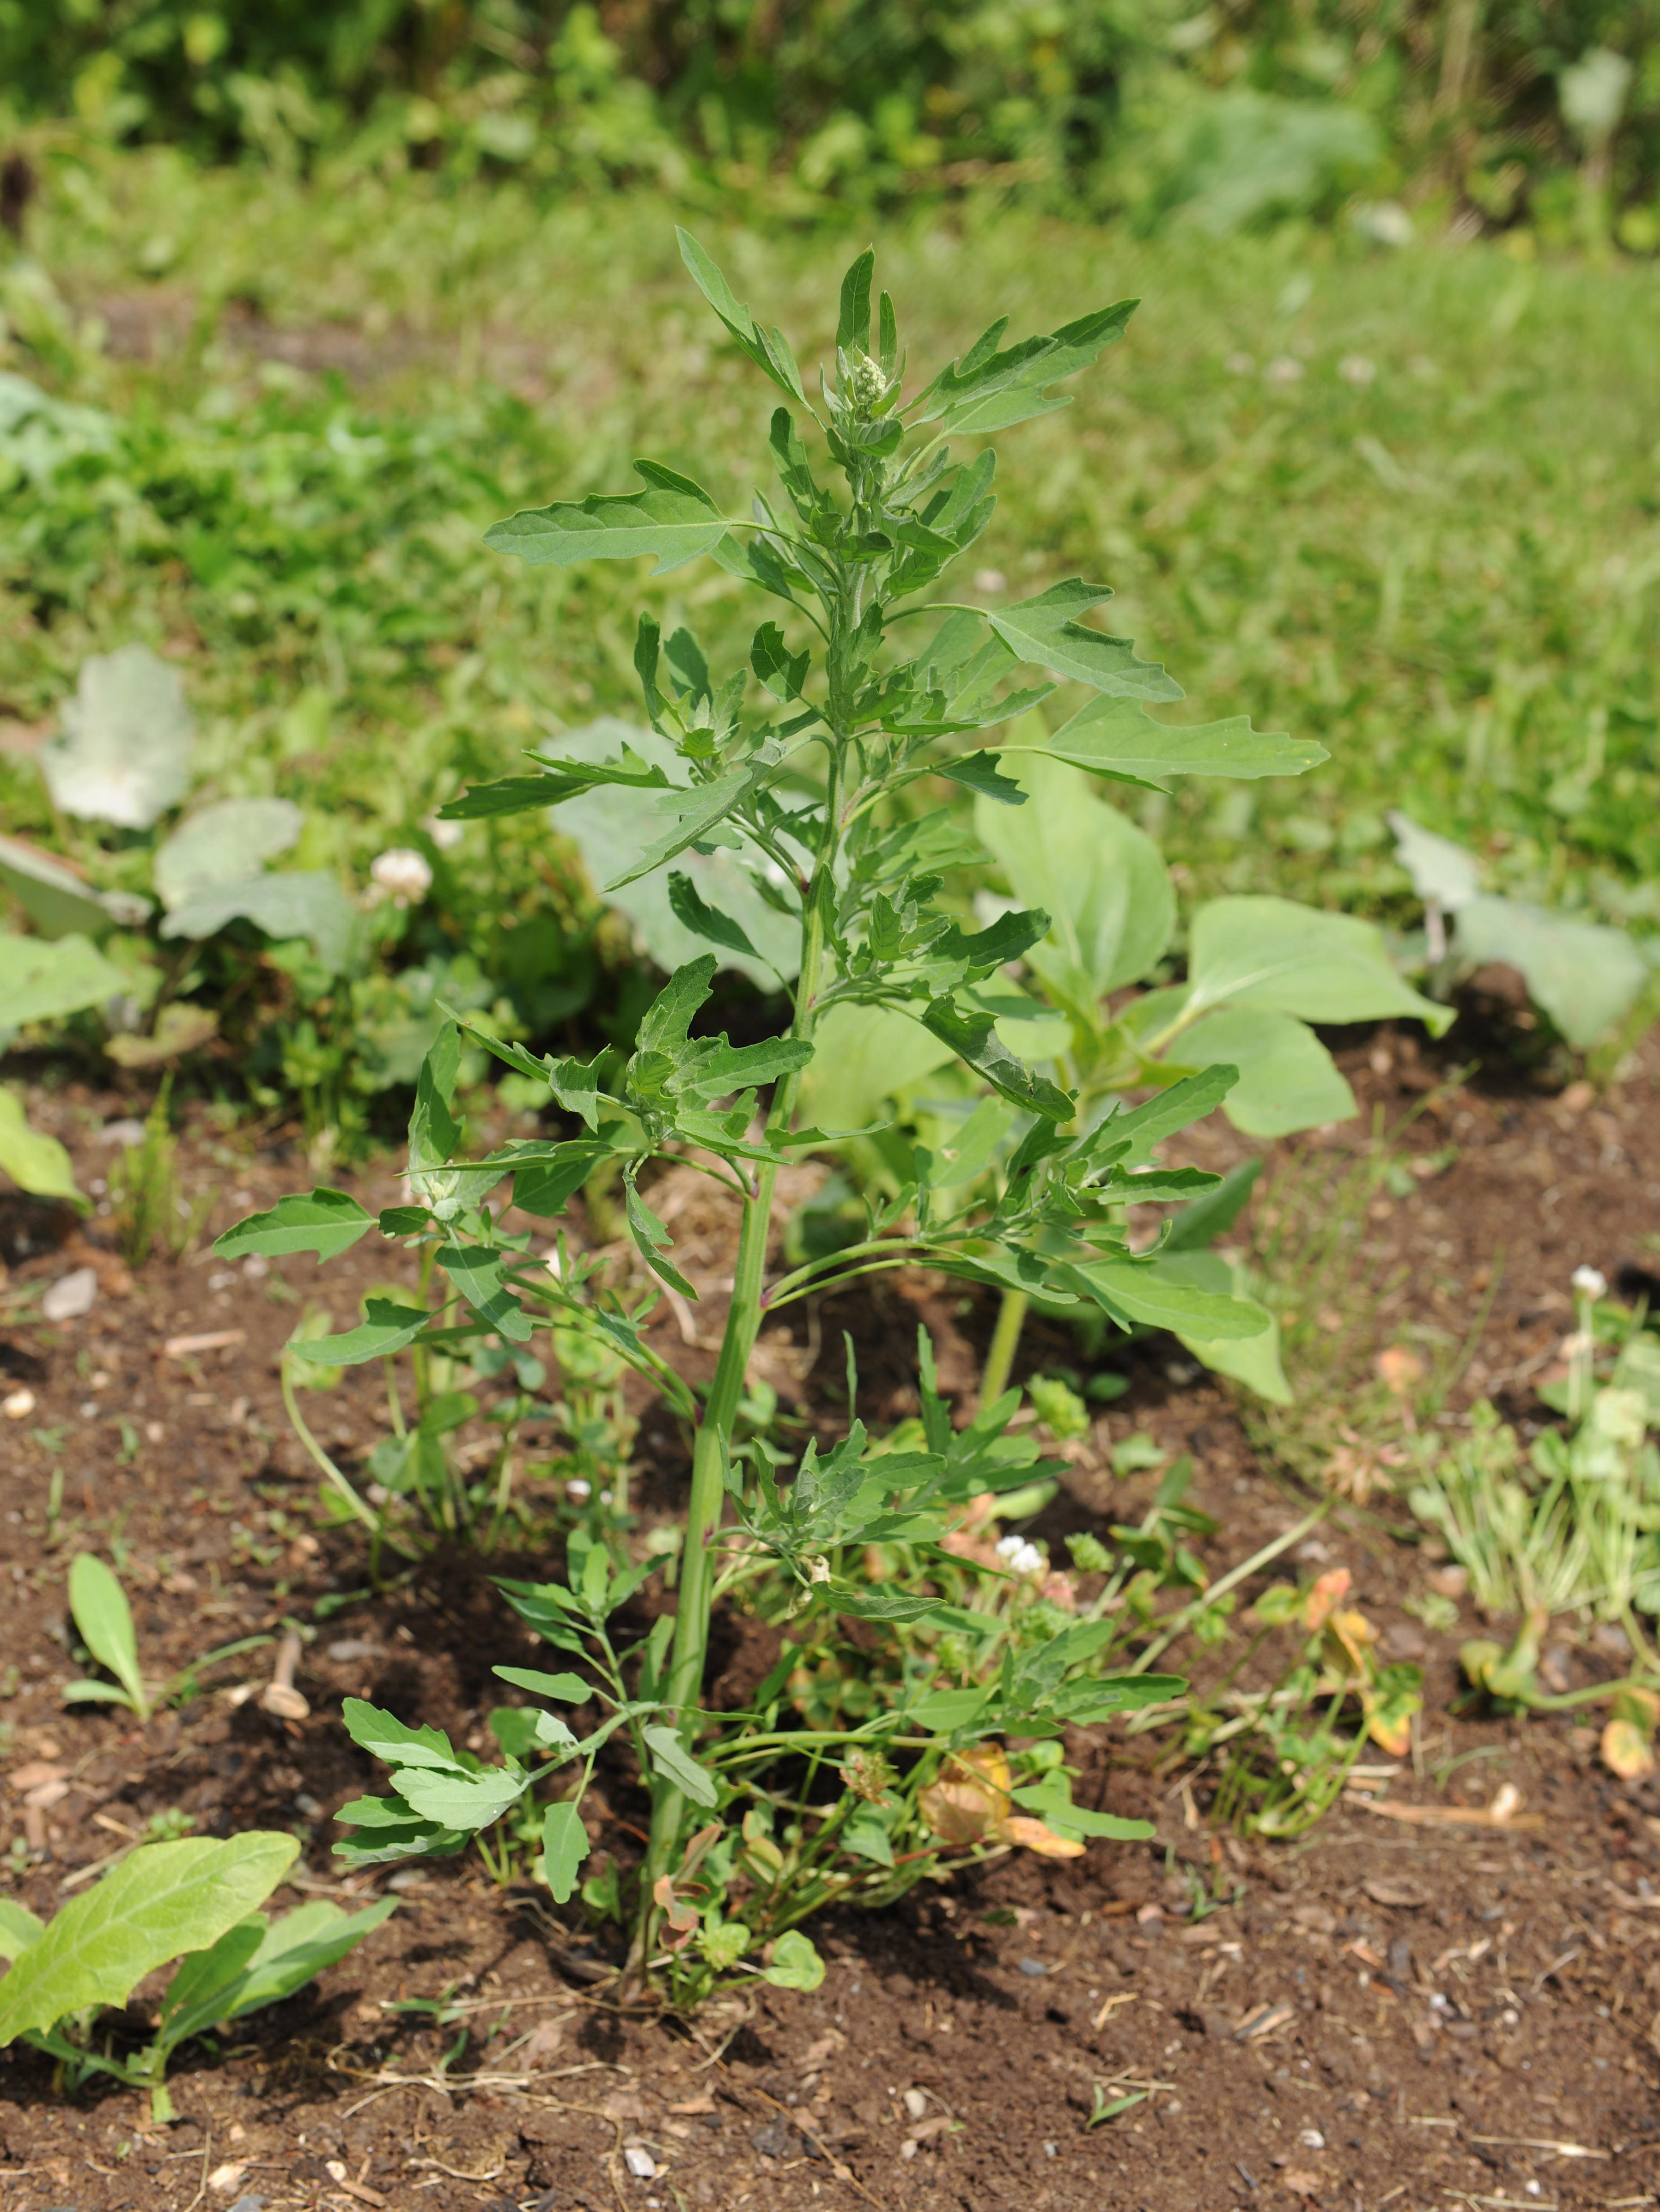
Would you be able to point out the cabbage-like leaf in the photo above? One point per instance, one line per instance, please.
(41, 982)
(122, 754)
(222, 843)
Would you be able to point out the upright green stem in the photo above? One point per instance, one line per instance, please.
(1004, 1342)
(712, 1442)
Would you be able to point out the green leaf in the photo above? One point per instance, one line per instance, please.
(694, 813)
(1114, 737)
(652, 1240)
(795, 1964)
(864, 1835)
(55, 898)
(122, 754)
(570, 1689)
(1089, 1701)
(1253, 1360)
(690, 909)
(853, 324)
(973, 1038)
(1585, 976)
(1146, 1126)
(1199, 1225)
(326, 1222)
(564, 1846)
(41, 982)
(613, 830)
(105, 1620)
(222, 843)
(1287, 1079)
(159, 1901)
(1054, 1806)
(19, 1927)
(385, 1737)
(982, 774)
(545, 1187)
(863, 1602)
(299, 903)
(1048, 632)
(1137, 1295)
(476, 1271)
(1443, 874)
(565, 779)
(862, 1057)
(1298, 960)
(285, 1955)
(665, 1022)
(387, 1328)
(673, 519)
(989, 390)
(35, 1162)
(388, 1831)
(456, 1800)
(1103, 880)
(670, 1759)
(769, 350)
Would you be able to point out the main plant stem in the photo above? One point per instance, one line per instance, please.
(1004, 1342)
(712, 1445)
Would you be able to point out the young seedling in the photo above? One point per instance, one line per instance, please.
(100, 1611)
(198, 1899)
(819, 768)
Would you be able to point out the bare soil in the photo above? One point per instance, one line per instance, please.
(1379, 2013)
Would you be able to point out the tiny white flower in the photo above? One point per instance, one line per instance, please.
(1590, 1282)
(1355, 369)
(578, 1491)
(403, 871)
(1023, 1557)
(1287, 369)
(446, 836)
(1008, 1546)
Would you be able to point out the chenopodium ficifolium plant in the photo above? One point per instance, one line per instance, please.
(199, 1897)
(808, 765)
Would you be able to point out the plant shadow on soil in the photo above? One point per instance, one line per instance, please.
(1377, 2013)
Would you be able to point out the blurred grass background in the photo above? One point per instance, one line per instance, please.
(1379, 463)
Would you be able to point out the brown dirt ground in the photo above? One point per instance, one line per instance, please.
(1378, 2014)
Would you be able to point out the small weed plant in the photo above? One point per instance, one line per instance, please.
(820, 772)
(198, 1898)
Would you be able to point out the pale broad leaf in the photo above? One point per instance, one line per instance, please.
(123, 752)
(35, 1162)
(1104, 881)
(1299, 960)
(41, 982)
(1287, 1079)
(1585, 976)
(1443, 874)
(162, 1901)
(1253, 1360)
(299, 903)
(232, 839)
